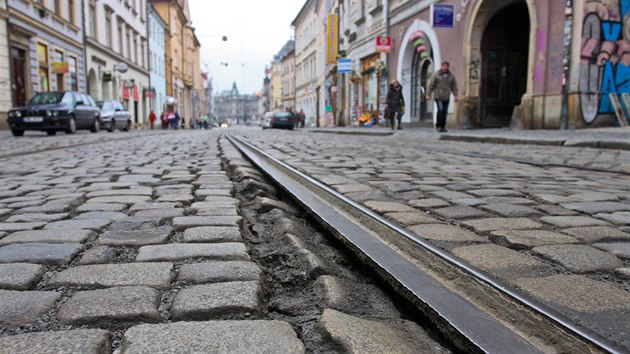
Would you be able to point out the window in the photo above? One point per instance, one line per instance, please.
(108, 29)
(142, 49)
(57, 7)
(74, 82)
(71, 12)
(120, 37)
(128, 38)
(60, 76)
(135, 48)
(42, 58)
(92, 20)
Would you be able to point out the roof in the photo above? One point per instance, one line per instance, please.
(285, 51)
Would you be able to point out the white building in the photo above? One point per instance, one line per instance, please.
(306, 27)
(116, 33)
(157, 64)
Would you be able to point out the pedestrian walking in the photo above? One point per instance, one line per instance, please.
(301, 118)
(395, 104)
(152, 119)
(176, 120)
(441, 85)
(183, 122)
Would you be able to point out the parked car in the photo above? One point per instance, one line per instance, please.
(282, 120)
(114, 115)
(56, 111)
(265, 122)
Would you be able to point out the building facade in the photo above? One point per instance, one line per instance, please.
(5, 68)
(46, 47)
(116, 34)
(157, 64)
(288, 76)
(276, 84)
(306, 26)
(233, 108)
(282, 81)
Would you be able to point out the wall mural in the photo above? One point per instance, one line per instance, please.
(605, 55)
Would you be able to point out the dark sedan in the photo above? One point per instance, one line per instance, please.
(114, 116)
(56, 111)
(282, 120)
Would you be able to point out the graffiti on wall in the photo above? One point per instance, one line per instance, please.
(605, 55)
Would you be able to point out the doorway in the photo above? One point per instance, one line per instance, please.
(18, 68)
(504, 63)
(421, 71)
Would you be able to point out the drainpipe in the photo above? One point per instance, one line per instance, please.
(85, 58)
(566, 64)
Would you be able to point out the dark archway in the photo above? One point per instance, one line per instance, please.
(504, 64)
(421, 70)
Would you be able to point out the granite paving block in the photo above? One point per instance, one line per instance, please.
(137, 237)
(155, 275)
(20, 308)
(495, 193)
(41, 253)
(388, 207)
(443, 232)
(212, 234)
(623, 272)
(213, 337)
(73, 224)
(153, 205)
(594, 197)
(357, 335)
(230, 251)
(115, 305)
(210, 301)
(460, 212)
(493, 224)
(500, 261)
(579, 258)
(48, 236)
(184, 222)
(213, 272)
(525, 239)
(621, 250)
(213, 192)
(215, 205)
(160, 213)
(120, 199)
(141, 191)
(34, 217)
(509, 200)
(450, 195)
(19, 276)
(101, 207)
(217, 212)
(84, 341)
(106, 215)
(413, 218)
(179, 197)
(619, 218)
(554, 198)
(597, 207)
(98, 255)
(573, 221)
(577, 292)
(556, 210)
(597, 234)
(351, 188)
(20, 226)
(138, 178)
(428, 203)
(511, 210)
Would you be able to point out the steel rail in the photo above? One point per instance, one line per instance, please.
(258, 157)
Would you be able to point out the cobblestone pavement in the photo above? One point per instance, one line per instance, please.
(560, 234)
(139, 245)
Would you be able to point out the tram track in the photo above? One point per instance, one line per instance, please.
(473, 310)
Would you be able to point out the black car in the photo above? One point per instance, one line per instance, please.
(114, 115)
(56, 111)
(282, 120)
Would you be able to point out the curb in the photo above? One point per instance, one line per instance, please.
(597, 144)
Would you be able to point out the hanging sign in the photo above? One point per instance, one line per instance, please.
(442, 15)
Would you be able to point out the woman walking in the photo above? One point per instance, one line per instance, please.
(395, 104)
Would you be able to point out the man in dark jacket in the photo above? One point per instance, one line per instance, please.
(395, 103)
(441, 85)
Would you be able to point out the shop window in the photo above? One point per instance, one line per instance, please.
(74, 80)
(60, 75)
(42, 58)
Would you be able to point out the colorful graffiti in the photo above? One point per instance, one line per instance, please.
(605, 55)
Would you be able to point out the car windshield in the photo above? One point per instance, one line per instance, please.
(99, 104)
(283, 115)
(52, 98)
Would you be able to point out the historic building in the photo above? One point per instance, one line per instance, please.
(234, 108)
(307, 25)
(46, 48)
(287, 60)
(157, 65)
(116, 36)
(276, 84)
(5, 67)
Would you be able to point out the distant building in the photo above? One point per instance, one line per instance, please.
(157, 64)
(234, 108)
(286, 57)
(307, 24)
(5, 67)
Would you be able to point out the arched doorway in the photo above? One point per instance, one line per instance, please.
(421, 70)
(504, 53)
(93, 85)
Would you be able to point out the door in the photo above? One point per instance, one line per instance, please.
(504, 53)
(18, 68)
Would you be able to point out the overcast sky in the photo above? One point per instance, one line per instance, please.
(254, 37)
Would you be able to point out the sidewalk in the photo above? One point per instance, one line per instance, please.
(605, 138)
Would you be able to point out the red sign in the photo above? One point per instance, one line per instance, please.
(125, 90)
(384, 44)
(135, 93)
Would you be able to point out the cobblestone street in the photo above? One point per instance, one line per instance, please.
(139, 243)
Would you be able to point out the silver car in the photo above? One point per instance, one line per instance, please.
(114, 116)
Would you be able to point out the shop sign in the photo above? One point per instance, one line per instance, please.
(344, 65)
(383, 44)
(332, 36)
(61, 67)
(149, 92)
(442, 15)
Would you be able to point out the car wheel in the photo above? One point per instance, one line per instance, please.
(127, 127)
(72, 126)
(112, 124)
(17, 132)
(51, 132)
(96, 127)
